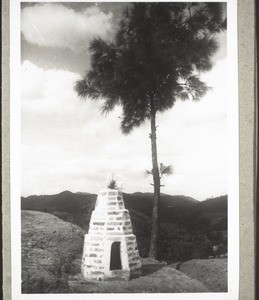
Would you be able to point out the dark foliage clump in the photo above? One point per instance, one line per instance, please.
(112, 184)
(178, 244)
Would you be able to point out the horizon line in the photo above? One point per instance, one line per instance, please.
(138, 192)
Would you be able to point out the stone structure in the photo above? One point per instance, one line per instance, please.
(110, 247)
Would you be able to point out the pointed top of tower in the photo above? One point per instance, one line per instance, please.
(109, 199)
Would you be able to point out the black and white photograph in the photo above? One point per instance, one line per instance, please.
(126, 135)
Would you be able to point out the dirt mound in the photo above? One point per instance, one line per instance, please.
(211, 272)
(50, 248)
(156, 278)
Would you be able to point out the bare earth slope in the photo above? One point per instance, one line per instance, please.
(50, 249)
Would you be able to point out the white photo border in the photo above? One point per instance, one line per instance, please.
(15, 166)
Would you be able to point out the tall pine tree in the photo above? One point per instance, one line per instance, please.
(156, 57)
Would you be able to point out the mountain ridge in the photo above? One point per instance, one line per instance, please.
(173, 209)
(134, 193)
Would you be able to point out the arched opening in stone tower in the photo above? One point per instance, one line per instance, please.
(115, 261)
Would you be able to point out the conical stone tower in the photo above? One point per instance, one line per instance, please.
(110, 247)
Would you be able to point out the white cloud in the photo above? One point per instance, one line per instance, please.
(68, 145)
(32, 81)
(54, 25)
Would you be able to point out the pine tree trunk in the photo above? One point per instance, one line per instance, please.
(156, 180)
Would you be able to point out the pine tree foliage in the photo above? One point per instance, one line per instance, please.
(159, 51)
(112, 184)
(163, 170)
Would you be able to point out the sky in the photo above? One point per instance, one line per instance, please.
(68, 145)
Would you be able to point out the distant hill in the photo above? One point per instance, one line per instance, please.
(180, 216)
(173, 208)
(218, 204)
(73, 207)
(77, 207)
